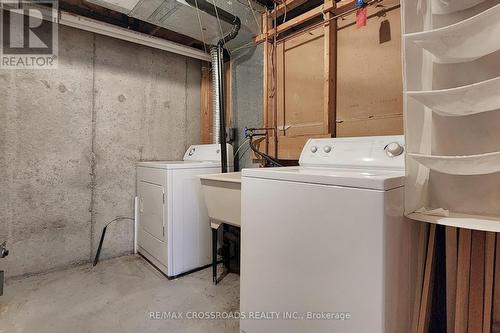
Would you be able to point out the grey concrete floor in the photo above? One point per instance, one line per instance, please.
(115, 296)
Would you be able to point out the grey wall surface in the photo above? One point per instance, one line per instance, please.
(70, 139)
(247, 95)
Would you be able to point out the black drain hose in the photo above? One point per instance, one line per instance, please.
(99, 248)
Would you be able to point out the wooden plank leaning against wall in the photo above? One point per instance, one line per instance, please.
(334, 79)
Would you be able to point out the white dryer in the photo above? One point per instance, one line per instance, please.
(325, 245)
(173, 226)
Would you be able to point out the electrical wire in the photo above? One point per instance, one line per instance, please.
(244, 4)
(101, 241)
(220, 25)
(275, 78)
(245, 46)
(284, 16)
(243, 153)
(237, 150)
(118, 218)
(255, 17)
(201, 26)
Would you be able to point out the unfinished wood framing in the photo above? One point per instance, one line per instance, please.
(292, 23)
(206, 105)
(330, 75)
(361, 91)
(286, 6)
(299, 88)
(265, 78)
(302, 92)
(369, 80)
(327, 7)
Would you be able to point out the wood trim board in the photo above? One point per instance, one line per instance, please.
(476, 290)
(428, 284)
(451, 245)
(463, 281)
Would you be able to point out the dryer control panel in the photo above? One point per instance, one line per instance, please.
(211, 152)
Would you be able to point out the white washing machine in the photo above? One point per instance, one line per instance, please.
(173, 226)
(325, 245)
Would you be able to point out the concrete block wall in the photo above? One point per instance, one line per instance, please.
(70, 139)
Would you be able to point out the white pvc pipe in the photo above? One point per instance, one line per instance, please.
(102, 28)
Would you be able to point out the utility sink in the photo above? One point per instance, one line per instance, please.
(222, 194)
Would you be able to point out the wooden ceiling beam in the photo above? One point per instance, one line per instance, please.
(328, 7)
(286, 6)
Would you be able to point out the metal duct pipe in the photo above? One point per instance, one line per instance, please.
(214, 55)
(219, 13)
(222, 113)
(219, 119)
(217, 58)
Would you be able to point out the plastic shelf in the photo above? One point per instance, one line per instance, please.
(474, 222)
(442, 7)
(468, 165)
(466, 40)
(462, 101)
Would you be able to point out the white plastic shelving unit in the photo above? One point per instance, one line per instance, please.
(452, 108)
(462, 101)
(466, 40)
(469, 165)
(442, 7)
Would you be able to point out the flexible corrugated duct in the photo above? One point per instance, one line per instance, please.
(217, 57)
(214, 54)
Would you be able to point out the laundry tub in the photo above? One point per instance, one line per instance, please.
(222, 194)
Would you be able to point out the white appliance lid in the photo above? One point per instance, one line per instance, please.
(376, 179)
(197, 156)
(359, 162)
(179, 164)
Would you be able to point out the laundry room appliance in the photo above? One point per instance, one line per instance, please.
(174, 231)
(325, 245)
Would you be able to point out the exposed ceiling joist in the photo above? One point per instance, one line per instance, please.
(87, 9)
(110, 30)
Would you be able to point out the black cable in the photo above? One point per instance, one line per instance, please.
(266, 157)
(101, 241)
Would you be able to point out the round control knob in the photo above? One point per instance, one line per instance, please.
(327, 149)
(394, 149)
(314, 149)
